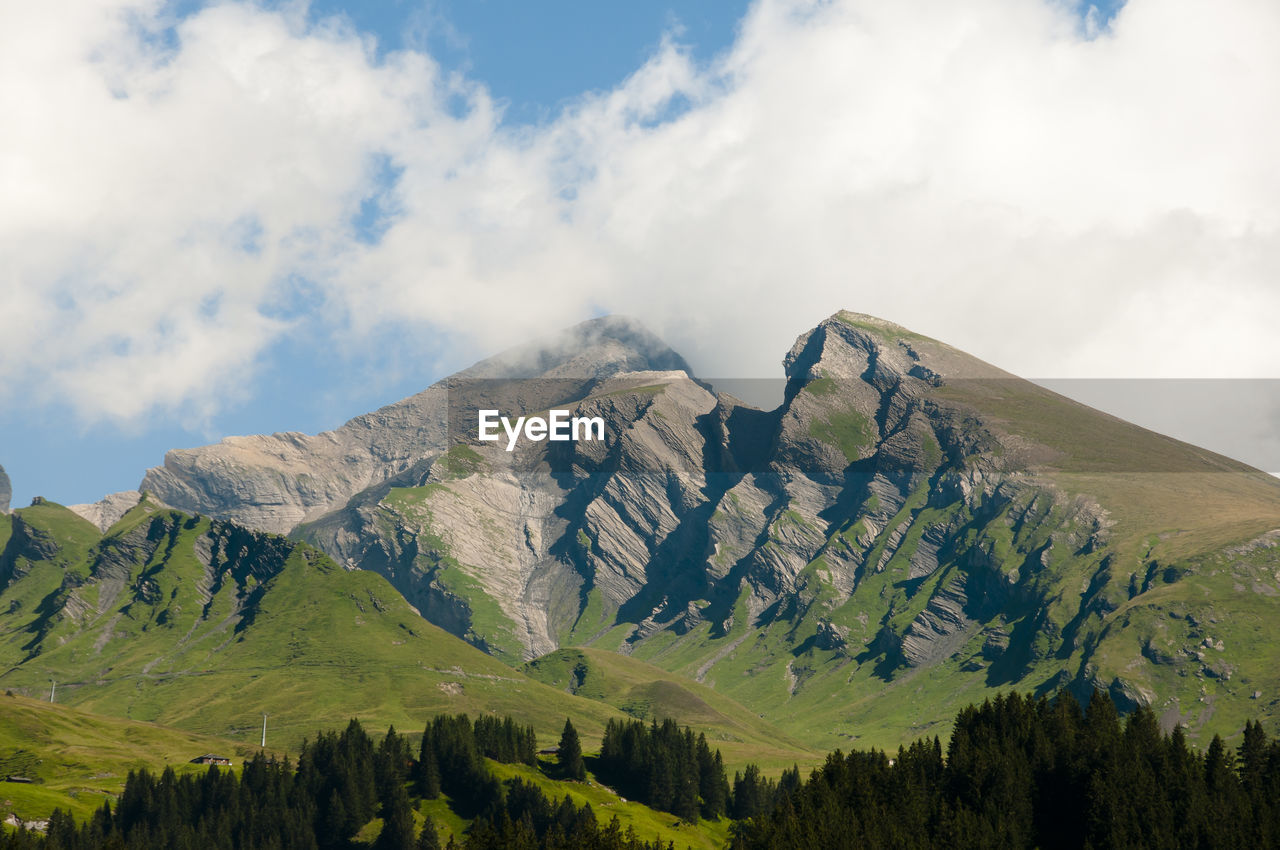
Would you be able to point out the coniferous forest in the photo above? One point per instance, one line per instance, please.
(1029, 773)
(340, 782)
(664, 768)
(1017, 772)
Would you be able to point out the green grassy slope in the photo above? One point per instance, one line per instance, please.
(822, 697)
(649, 824)
(136, 625)
(78, 759)
(1142, 619)
(1190, 499)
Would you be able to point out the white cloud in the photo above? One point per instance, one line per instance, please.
(157, 199)
(980, 171)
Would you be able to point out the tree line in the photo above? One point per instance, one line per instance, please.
(1023, 772)
(1017, 772)
(665, 768)
(340, 783)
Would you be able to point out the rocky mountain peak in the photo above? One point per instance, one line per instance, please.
(883, 349)
(6, 491)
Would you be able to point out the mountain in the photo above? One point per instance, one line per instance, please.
(6, 491)
(205, 625)
(909, 530)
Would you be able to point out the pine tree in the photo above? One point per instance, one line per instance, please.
(397, 827)
(61, 832)
(684, 803)
(748, 794)
(391, 762)
(426, 773)
(570, 754)
(713, 788)
(429, 839)
(333, 827)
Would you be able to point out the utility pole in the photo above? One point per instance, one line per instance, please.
(264, 730)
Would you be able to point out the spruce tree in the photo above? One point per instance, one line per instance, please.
(429, 839)
(397, 827)
(748, 794)
(712, 787)
(426, 773)
(570, 754)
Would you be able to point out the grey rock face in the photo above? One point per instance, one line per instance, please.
(6, 491)
(274, 482)
(940, 629)
(534, 530)
(107, 511)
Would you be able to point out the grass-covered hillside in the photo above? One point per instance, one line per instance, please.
(206, 626)
(76, 759)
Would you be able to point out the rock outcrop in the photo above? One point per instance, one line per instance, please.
(107, 511)
(6, 491)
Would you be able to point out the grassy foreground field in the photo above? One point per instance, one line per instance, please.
(77, 759)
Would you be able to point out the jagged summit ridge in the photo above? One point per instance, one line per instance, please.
(894, 348)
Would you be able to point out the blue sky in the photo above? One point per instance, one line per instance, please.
(537, 56)
(240, 218)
